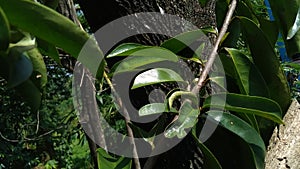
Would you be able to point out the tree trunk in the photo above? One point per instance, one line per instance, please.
(284, 149)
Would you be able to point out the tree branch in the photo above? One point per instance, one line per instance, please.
(213, 54)
(127, 121)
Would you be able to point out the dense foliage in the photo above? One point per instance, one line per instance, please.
(39, 126)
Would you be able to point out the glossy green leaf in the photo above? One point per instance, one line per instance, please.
(50, 25)
(296, 26)
(245, 132)
(39, 67)
(184, 95)
(106, 161)
(249, 78)
(239, 103)
(30, 94)
(210, 161)
(263, 54)
(151, 109)
(126, 49)
(4, 31)
(49, 50)
(155, 76)
(228, 65)
(144, 57)
(219, 80)
(187, 118)
(27, 42)
(179, 42)
(20, 68)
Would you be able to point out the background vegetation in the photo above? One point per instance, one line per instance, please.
(39, 124)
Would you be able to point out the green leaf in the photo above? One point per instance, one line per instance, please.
(30, 94)
(48, 49)
(239, 103)
(219, 80)
(234, 30)
(222, 7)
(4, 31)
(155, 76)
(151, 109)
(179, 42)
(185, 95)
(270, 29)
(20, 68)
(126, 49)
(244, 10)
(144, 57)
(39, 67)
(187, 118)
(262, 54)
(106, 161)
(50, 25)
(249, 78)
(296, 26)
(210, 161)
(27, 42)
(245, 132)
(286, 16)
(293, 65)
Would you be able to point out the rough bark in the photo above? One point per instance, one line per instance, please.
(83, 95)
(284, 149)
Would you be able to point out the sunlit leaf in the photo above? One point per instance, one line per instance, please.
(179, 42)
(155, 76)
(50, 25)
(184, 95)
(144, 57)
(187, 118)
(151, 109)
(126, 49)
(39, 67)
(245, 132)
(296, 26)
(239, 103)
(286, 16)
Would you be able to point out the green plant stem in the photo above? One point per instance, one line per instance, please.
(214, 53)
(127, 121)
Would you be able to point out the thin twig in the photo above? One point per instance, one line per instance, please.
(38, 122)
(30, 139)
(213, 54)
(127, 121)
